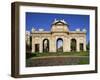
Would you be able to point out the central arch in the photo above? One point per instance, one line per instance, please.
(59, 45)
(45, 45)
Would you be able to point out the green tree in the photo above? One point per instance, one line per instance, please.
(88, 46)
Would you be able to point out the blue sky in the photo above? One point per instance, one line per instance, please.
(44, 21)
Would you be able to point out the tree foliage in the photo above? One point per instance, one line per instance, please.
(88, 46)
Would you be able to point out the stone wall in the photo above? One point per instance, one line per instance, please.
(52, 37)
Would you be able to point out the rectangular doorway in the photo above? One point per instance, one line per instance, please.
(36, 47)
(81, 46)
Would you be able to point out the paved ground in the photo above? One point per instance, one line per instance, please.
(55, 60)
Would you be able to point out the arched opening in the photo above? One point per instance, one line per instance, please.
(59, 45)
(45, 45)
(73, 45)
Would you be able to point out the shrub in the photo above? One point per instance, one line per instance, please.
(29, 55)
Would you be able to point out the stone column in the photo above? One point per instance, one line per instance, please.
(66, 43)
(50, 45)
(84, 44)
(53, 44)
(41, 46)
(77, 45)
(33, 45)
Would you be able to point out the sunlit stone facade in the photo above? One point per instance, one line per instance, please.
(46, 41)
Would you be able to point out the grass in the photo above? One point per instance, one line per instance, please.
(83, 53)
(85, 61)
(70, 60)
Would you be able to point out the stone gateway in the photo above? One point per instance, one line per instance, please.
(58, 39)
